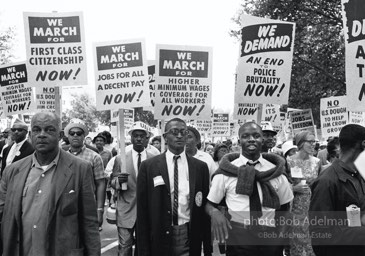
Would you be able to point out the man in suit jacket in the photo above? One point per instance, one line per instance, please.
(171, 194)
(47, 203)
(126, 199)
(20, 148)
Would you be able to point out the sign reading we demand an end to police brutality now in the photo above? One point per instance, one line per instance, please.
(55, 46)
(17, 95)
(121, 75)
(183, 82)
(353, 15)
(264, 65)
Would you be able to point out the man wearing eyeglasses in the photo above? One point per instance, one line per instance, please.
(76, 131)
(171, 194)
(20, 148)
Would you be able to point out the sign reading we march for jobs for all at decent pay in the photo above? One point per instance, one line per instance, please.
(16, 94)
(55, 47)
(183, 82)
(353, 15)
(264, 65)
(121, 75)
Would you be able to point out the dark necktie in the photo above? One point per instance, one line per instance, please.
(176, 191)
(139, 161)
(255, 203)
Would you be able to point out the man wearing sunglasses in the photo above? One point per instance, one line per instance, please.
(20, 148)
(171, 194)
(76, 131)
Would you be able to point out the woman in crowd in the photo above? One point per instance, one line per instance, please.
(220, 150)
(156, 142)
(209, 148)
(304, 168)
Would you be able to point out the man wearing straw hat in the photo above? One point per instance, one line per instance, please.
(126, 199)
(76, 131)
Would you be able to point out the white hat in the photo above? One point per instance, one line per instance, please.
(140, 126)
(267, 127)
(76, 123)
(19, 124)
(287, 145)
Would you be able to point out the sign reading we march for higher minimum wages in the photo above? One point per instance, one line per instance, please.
(121, 75)
(183, 82)
(264, 65)
(55, 46)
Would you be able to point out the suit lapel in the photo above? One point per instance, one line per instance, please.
(20, 179)
(192, 179)
(162, 165)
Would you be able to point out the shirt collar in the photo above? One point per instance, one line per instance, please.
(347, 170)
(170, 156)
(245, 160)
(53, 163)
(136, 153)
(20, 143)
(76, 153)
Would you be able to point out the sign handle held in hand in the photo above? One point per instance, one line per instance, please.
(121, 139)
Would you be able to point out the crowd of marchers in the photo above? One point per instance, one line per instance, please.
(174, 196)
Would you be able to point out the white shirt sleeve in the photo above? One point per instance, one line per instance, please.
(217, 189)
(109, 167)
(285, 192)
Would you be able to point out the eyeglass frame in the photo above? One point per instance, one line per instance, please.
(77, 133)
(176, 132)
(18, 130)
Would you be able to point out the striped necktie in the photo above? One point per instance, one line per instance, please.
(176, 191)
(139, 161)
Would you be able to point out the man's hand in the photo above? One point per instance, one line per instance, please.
(220, 225)
(122, 178)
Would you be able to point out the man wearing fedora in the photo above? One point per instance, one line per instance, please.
(126, 199)
(76, 131)
(20, 148)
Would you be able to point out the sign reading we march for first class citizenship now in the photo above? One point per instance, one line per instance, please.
(55, 46)
(183, 82)
(265, 61)
(121, 75)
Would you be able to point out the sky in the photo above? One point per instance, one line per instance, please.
(188, 22)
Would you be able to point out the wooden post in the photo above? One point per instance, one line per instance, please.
(259, 113)
(58, 102)
(162, 138)
(121, 140)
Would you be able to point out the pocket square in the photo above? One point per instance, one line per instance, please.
(71, 191)
(158, 181)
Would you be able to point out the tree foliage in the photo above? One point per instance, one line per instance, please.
(84, 108)
(318, 69)
(7, 38)
(144, 116)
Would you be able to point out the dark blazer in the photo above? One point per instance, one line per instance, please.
(154, 212)
(25, 150)
(72, 224)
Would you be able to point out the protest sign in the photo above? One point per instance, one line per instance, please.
(183, 82)
(245, 111)
(264, 64)
(121, 76)
(128, 118)
(271, 113)
(334, 115)
(55, 47)
(221, 126)
(45, 99)
(152, 85)
(204, 127)
(302, 120)
(353, 15)
(16, 93)
(357, 118)
(2, 115)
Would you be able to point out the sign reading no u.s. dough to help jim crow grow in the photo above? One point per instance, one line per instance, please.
(16, 94)
(353, 15)
(183, 82)
(121, 75)
(265, 61)
(55, 47)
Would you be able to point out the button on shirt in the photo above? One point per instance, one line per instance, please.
(35, 207)
(135, 159)
(239, 205)
(183, 211)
